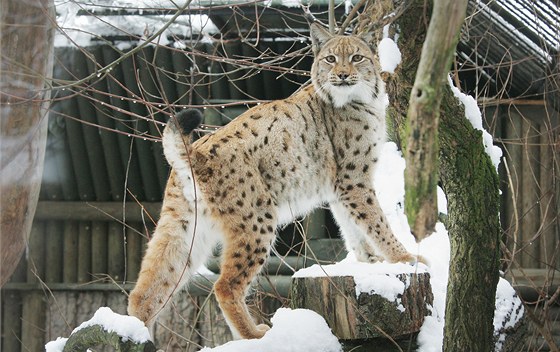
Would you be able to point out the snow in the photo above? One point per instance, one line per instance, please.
(292, 331)
(473, 114)
(379, 278)
(509, 309)
(389, 55)
(56, 345)
(129, 328)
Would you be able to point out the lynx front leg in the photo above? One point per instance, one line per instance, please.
(246, 248)
(354, 237)
(366, 228)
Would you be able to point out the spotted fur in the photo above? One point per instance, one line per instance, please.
(275, 162)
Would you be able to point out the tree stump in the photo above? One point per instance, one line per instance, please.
(355, 315)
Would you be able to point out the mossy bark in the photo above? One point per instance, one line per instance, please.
(95, 335)
(470, 182)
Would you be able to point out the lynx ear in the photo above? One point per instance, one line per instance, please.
(319, 36)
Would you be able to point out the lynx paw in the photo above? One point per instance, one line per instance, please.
(262, 329)
(365, 257)
(139, 307)
(413, 259)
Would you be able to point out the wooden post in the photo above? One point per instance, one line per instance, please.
(54, 253)
(71, 253)
(116, 251)
(11, 321)
(99, 248)
(84, 250)
(33, 321)
(529, 171)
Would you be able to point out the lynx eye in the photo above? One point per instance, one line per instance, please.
(330, 59)
(357, 58)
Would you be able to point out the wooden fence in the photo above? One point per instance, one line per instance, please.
(528, 133)
(82, 256)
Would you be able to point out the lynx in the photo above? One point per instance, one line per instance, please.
(275, 162)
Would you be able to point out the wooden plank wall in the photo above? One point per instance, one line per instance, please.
(528, 135)
(189, 322)
(81, 257)
(67, 254)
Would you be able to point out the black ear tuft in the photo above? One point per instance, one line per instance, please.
(187, 120)
(319, 36)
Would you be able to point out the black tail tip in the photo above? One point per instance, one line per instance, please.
(187, 120)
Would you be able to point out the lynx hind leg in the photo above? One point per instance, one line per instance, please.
(245, 249)
(173, 253)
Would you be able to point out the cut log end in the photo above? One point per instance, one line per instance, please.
(353, 316)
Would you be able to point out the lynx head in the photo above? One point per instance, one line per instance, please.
(345, 68)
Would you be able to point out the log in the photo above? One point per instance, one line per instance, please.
(366, 315)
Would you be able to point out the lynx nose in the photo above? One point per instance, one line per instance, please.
(343, 76)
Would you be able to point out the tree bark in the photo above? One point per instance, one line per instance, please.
(421, 149)
(26, 39)
(470, 182)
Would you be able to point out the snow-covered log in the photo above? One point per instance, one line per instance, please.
(391, 300)
(106, 328)
(96, 335)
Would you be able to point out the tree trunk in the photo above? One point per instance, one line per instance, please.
(470, 182)
(26, 39)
